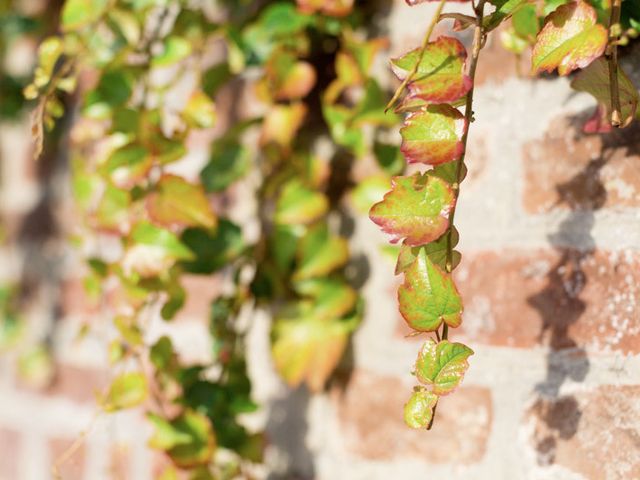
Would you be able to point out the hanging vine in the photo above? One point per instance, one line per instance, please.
(420, 209)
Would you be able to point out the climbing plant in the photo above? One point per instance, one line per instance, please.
(283, 97)
(419, 211)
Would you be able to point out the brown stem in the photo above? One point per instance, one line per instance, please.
(423, 47)
(612, 59)
(478, 37)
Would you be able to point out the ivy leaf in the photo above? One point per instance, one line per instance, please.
(440, 75)
(128, 164)
(418, 411)
(319, 253)
(80, 13)
(126, 391)
(175, 49)
(287, 77)
(437, 252)
(228, 163)
(281, 124)
(442, 365)
(176, 202)
(595, 80)
(570, 38)
(307, 348)
(200, 111)
(416, 209)
(146, 234)
(299, 204)
(333, 8)
(504, 9)
(213, 250)
(113, 209)
(188, 439)
(369, 191)
(333, 298)
(429, 296)
(433, 135)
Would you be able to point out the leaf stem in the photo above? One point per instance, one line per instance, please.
(478, 42)
(423, 47)
(612, 59)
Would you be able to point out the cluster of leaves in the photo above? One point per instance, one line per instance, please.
(419, 210)
(145, 76)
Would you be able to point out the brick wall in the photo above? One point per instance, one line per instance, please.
(549, 222)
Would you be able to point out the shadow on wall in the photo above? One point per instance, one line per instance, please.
(560, 304)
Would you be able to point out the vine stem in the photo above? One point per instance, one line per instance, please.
(423, 47)
(478, 42)
(612, 59)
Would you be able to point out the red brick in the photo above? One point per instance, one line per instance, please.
(562, 299)
(593, 433)
(570, 170)
(10, 444)
(73, 467)
(370, 413)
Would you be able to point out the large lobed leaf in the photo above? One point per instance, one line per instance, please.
(595, 80)
(442, 365)
(433, 135)
(570, 38)
(429, 296)
(440, 75)
(416, 209)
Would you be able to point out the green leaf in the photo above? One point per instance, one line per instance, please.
(176, 202)
(319, 253)
(416, 209)
(333, 298)
(200, 111)
(503, 11)
(369, 191)
(213, 250)
(433, 135)
(595, 80)
(80, 13)
(146, 234)
(440, 76)
(389, 157)
(525, 22)
(437, 252)
(307, 348)
(188, 439)
(126, 391)
(287, 77)
(442, 365)
(175, 49)
(339, 117)
(299, 204)
(49, 53)
(112, 211)
(228, 163)
(418, 411)
(570, 38)
(429, 296)
(128, 164)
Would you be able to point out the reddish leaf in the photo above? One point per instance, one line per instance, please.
(570, 38)
(416, 209)
(439, 77)
(595, 80)
(442, 365)
(433, 135)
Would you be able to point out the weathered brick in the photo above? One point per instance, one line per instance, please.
(497, 64)
(571, 170)
(592, 433)
(69, 466)
(563, 299)
(10, 444)
(370, 412)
